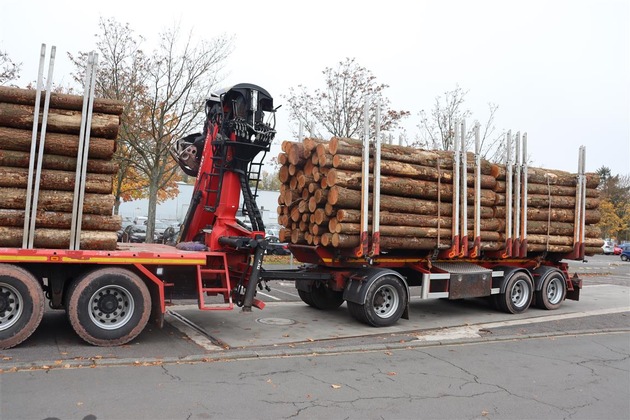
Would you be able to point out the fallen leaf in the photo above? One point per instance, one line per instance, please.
(57, 362)
(391, 374)
(310, 339)
(335, 386)
(79, 403)
(7, 358)
(389, 353)
(484, 413)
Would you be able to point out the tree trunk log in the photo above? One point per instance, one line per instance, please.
(559, 228)
(533, 188)
(55, 180)
(406, 219)
(59, 239)
(59, 120)
(61, 201)
(557, 201)
(59, 220)
(592, 217)
(59, 100)
(56, 144)
(551, 176)
(431, 158)
(62, 163)
(351, 199)
(405, 187)
(408, 170)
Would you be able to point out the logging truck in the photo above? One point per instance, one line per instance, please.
(402, 219)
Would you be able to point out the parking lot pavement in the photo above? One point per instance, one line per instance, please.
(282, 323)
(190, 334)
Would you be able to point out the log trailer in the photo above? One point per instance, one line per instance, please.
(109, 296)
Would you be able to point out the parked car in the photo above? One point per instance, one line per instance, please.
(617, 250)
(608, 248)
(134, 233)
(625, 255)
(275, 247)
(160, 228)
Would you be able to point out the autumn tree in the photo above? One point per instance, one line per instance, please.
(337, 109)
(180, 77)
(121, 75)
(164, 93)
(437, 126)
(615, 204)
(9, 70)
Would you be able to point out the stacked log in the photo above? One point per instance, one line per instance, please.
(59, 162)
(551, 201)
(320, 196)
(320, 199)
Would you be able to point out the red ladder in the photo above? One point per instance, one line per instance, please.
(218, 262)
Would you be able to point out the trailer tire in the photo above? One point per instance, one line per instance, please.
(518, 294)
(21, 305)
(552, 291)
(109, 306)
(385, 302)
(321, 297)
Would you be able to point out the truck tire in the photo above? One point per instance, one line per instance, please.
(321, 297)
(108, 306)
(384, 304)
(518, 294)
(552, 291)
(21, 305)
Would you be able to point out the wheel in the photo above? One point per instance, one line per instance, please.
(321, 297)
(518, 294)
(108, 306)
(385, 302)
(624, 258)
(21, 305)
(306, 297)
(552, 293)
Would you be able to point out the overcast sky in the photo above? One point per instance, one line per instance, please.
(559, 70)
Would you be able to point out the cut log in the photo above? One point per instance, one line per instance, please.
(59, 120)
(407, 219)
(432, 158)
(59, 100)
(62, 163)
(533, 188)
(56, 144)
(557, 215)
(548, 176)
(59, 220)
(59, 239)
(557, 201)
(52, 200)
(351, 199)
(408, 170)
(406, 187)
(55, 180)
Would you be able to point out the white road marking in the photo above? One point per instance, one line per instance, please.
(269, 296)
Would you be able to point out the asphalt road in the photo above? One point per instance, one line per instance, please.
(578, 377)
(450, 360)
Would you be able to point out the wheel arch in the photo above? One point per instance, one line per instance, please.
(359, 283)
(540, 274)
(508, 272)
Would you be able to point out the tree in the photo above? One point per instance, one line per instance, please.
(164, 97)
(615, 204)
(180, 78)
(121, 75)
(338, 108)
(8, 69)
(437, 128)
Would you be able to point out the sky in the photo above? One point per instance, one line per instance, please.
(558, 70)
